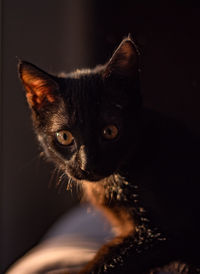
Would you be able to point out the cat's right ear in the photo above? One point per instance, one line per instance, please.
(124, 62)
(41, 88)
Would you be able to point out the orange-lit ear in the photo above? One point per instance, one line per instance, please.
(125, 60)
(40, 87)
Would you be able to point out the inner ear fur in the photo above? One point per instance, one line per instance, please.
(40, 87)
(124, 61)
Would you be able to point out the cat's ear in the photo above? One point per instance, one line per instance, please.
(124, 61)
(41, 88)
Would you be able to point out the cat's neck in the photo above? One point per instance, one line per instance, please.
(110, 197)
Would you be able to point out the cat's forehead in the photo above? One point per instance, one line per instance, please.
(92, 91)
(83, 82)
(90, 87)
(85, 92)
(85, 100)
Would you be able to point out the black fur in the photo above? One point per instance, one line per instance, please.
(147, 177)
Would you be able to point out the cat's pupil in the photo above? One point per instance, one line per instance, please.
(64, 137)
(110, 132)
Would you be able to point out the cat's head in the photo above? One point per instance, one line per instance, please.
(87, 121)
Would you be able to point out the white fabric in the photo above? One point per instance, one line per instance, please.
(68, 245)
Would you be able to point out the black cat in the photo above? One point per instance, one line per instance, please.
(140, 168)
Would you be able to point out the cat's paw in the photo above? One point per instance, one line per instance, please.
(175, 268)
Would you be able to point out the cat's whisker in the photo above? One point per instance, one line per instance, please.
(69, 184)
(60, 180)
(61, 185)
(78, 191)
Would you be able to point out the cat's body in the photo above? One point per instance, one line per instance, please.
(140, 168)
(159, 189)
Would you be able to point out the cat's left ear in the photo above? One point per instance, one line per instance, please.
(124, 62)
(41, 88)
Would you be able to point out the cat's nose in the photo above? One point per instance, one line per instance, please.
(83, 158)
(87, 160)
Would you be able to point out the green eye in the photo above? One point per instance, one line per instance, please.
(64, 137)
(110, 132)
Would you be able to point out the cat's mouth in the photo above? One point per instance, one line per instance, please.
(80, 175)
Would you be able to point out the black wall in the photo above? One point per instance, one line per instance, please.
(64, 35)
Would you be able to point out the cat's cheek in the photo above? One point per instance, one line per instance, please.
(50, 153)
(43, 145)
(73, 173)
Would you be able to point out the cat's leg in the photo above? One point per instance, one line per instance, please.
(126, 255)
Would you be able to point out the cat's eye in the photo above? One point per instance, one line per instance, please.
(110, 132)
(64, 137)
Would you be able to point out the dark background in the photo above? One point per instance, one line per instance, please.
(61, 35)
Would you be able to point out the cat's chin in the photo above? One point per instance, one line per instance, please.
(87, 178)
(82, 176)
